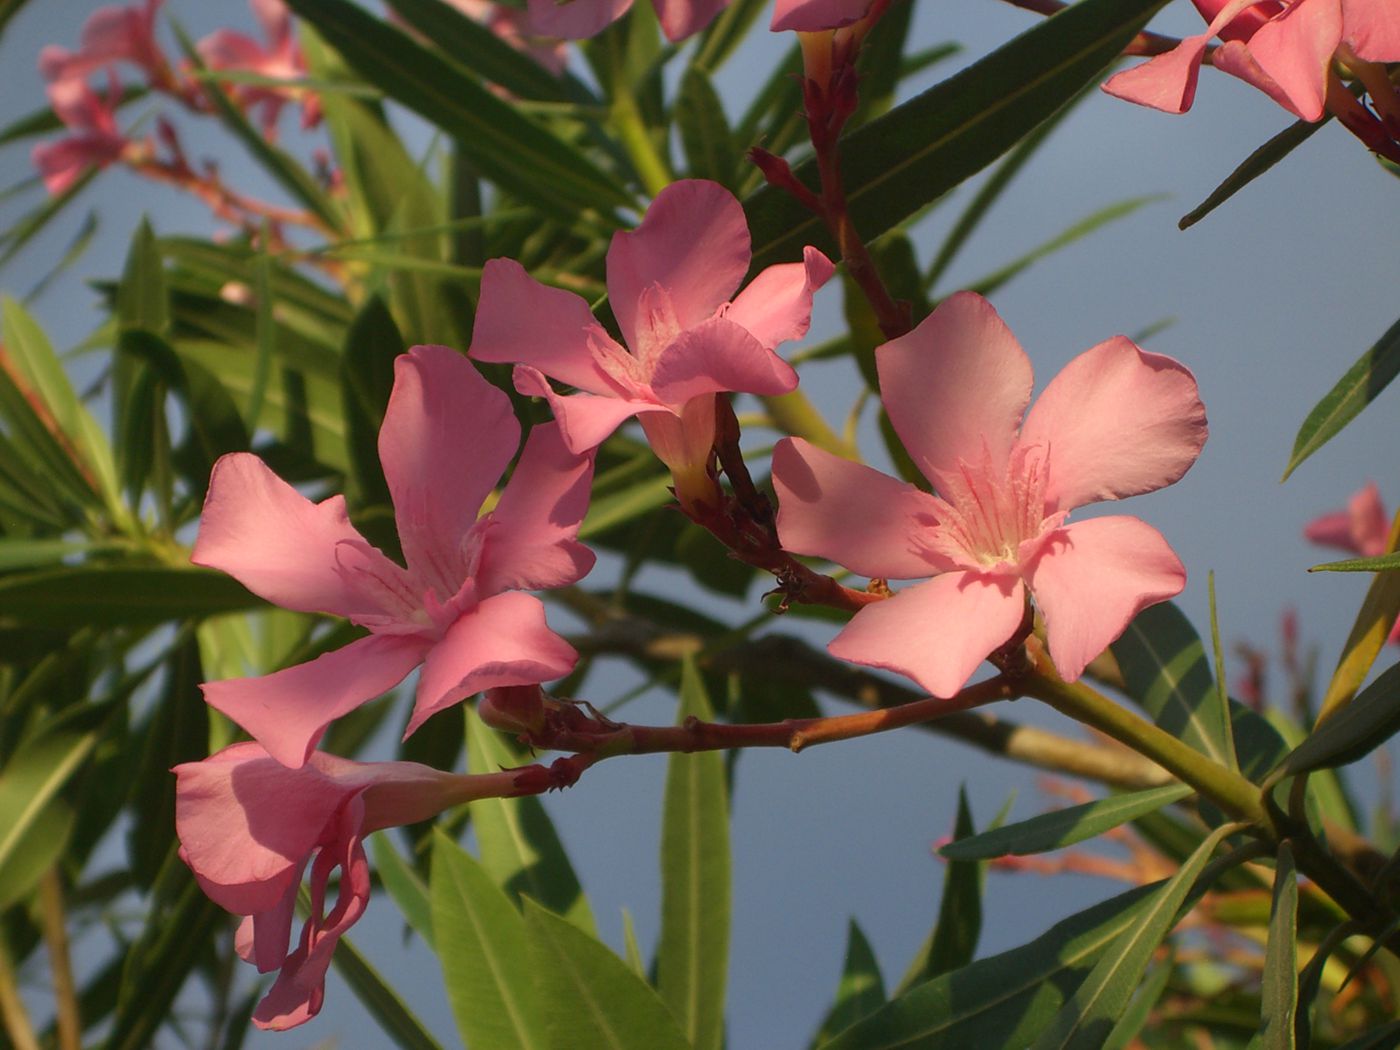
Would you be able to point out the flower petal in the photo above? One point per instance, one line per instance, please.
(288, 710)
(447, 437)
(1090, 580)
(576, 20)
(585, 420)
(848, 513)
(956, 386)
(518, 319)
(532, 542)
(1116, 422)
(503, 641)
(279, 544)
(1166, 82)
(1362, 528)
(683, 18)
(777, 304)
(1295, 49)
(717, 355)
(693, 243)
(935, 632)
(809, 16)
(1372, 29)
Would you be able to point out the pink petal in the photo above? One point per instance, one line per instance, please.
(519, 319)
(228, 49)
(806, 16)
(576, 20)
(1117, 421)
(935, 632)
(1242, 22)
(777, 304)
(279, 544)
(585, 420)
(693, 244)
(1166, 82)
(683, 18)
(532, 542)
(503, 641)
(1362, 528)
(718, 355)
(1295, 49)
(956, 386)
(1234, 58)
(1331, 530)
(1372, 28)
(825, 510)
(288, 710)
(1093, 577)
(447, 437)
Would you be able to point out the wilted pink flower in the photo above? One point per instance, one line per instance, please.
(806, 16)
(1284, 49)
(249, 826)
(669, 283)
(457, 608)
(110, 35)
(1362, 529)
(1116, 422)
(578, 19)
(279, 58)
(94, 141)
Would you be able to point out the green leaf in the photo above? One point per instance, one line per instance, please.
(384, 1004)
(1004, 1000)
(516, 840)
(1360, 386)
(367, 377)
(1356, 730)
(861, 991)
(1222, 695)
(726, 33)
(108, 595)
(693, 957)
(918, 151)
(1089, 1015)
(1136, 1016)
(593, 1001)
(1165, 670)
(1258, 162)
(706, 137)
(30, 783)
(485, 960)
(1063, 827)
(1379, 563)
(960, 910)
(1382, 1038)
(404, 886)
(506, 147)
(1279, 991)
(142, 299)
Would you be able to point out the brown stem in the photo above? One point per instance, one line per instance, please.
(67, 1017)
(12, 1012)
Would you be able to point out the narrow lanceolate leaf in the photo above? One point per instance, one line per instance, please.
(1379, 563)
(861, 991)
(1064, 827)
(1003, 1000)
(404, 886)
(1091, 1013)
(1165, 670)
(1279, 992)
(1222, 693)
(918, 151)
(1354, 391)
(705, 133)
(485, 960)
(1374, 620)
(593, 1000)
(960, 911)
(385, 1005)
(142, 298)
(507, 147)
(106, 595)
(32, 778)
(1136, 1016)
(1258, 162)
(693, 957)
(515, 838)
(1353, 732)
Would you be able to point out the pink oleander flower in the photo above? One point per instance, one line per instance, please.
(457, 608)
(1117, 421)
(95, 140)
(280, 57)
(110, 35)
(515, 27)
(1284, 49)
(810, 16)
(249, 826)
(578, 19)
(1363, 529)
(669, 283)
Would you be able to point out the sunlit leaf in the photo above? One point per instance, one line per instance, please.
(1279, 991)
(861, 991)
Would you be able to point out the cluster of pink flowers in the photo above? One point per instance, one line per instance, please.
(1362, 528)
(1117, 421)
